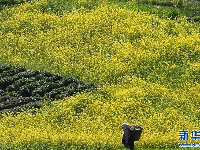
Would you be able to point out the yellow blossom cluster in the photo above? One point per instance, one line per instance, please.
(147, 69)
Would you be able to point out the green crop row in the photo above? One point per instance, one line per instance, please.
(19, 86)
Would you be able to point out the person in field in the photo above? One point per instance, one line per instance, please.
(127, 139)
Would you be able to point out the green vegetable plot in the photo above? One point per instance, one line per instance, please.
(20, 86)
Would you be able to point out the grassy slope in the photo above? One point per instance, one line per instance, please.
(189, 9)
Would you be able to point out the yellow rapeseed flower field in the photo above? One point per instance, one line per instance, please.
(147, 69)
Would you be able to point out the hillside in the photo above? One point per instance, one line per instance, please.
(147, 69)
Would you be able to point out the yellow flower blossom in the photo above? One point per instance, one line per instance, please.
(139, 60)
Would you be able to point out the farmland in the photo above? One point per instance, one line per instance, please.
(20, 87)
(124, 65)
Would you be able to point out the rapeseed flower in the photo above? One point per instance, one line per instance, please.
(147, 68)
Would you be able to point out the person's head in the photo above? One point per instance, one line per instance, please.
(125, 126)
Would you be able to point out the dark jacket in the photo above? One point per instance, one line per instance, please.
(125, 136)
